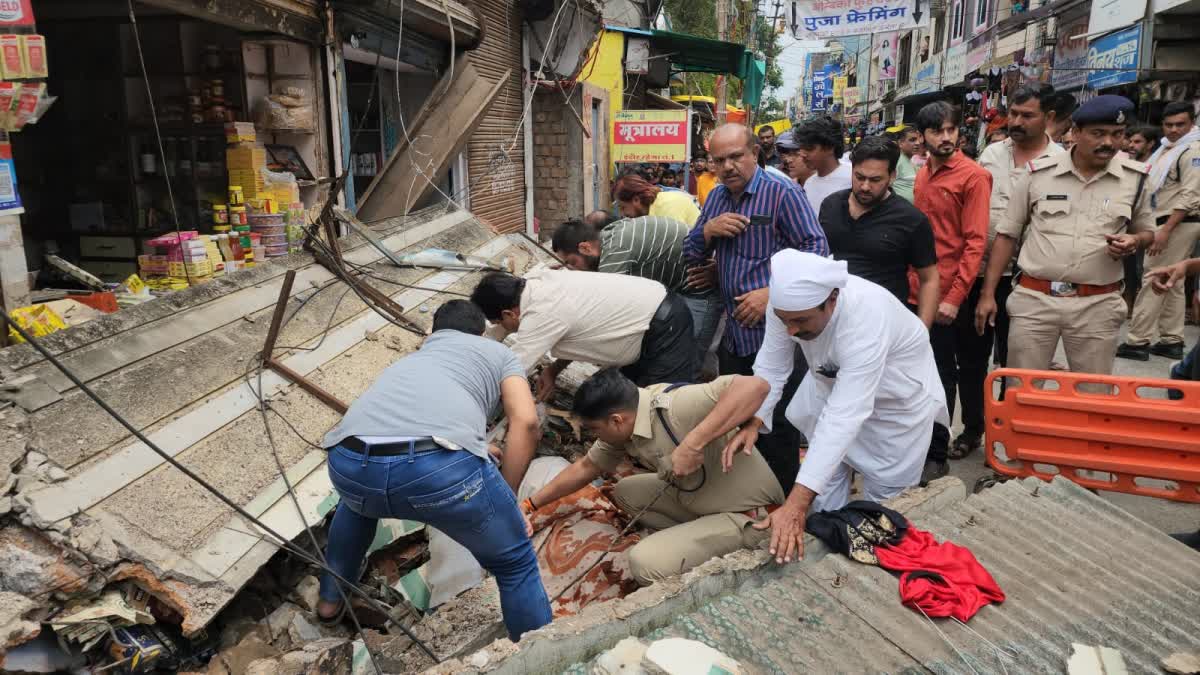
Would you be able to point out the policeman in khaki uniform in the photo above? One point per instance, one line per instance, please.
(1174, 189)
(1076, 215)
(700, 508)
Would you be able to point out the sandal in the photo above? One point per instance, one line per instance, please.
(963, 446)
(336, 618)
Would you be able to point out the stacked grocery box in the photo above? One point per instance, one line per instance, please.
(245, 162)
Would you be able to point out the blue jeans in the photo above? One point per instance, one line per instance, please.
(1187, 369)
(458, 493)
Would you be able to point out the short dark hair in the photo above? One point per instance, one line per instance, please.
(460, 315)
(1179, 108)
(599, 219)
(821, 131)
(876, 147)
(496, 292)
(935, 114)
(669, 172)
(1044, 94)
(570, 235)
(605, 393)
(1146, 131)
(1064, 104)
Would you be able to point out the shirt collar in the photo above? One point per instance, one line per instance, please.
(642, 425)
(760, 176)
(1066, 163)
(950, 164)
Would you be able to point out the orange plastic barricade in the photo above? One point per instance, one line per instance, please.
(1101, 431)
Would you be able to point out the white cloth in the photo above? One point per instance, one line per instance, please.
(772, 170)
(817, 187)
(1165, 157)
(800, 281)
(883, 399)
(594, 317)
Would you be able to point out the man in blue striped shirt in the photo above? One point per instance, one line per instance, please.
(746, 219)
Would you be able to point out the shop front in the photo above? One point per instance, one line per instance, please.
(170, 135)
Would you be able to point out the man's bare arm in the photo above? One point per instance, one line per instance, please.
(523, 429)
(569, 481)
(738, 403)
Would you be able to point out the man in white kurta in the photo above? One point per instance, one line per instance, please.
(870, 397)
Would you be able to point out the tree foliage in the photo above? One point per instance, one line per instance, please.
(699, 18)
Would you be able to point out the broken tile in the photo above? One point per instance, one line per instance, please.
(239, 657)
(302, 631)
(1182, 663)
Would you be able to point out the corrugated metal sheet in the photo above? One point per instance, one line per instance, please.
(1075, 568)
(496, 157)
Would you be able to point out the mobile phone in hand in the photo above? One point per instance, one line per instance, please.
(760, 220)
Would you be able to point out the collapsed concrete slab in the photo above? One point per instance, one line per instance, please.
(107, 508)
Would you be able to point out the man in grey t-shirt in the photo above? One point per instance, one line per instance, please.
(413, 447)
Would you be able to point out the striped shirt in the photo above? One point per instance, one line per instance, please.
(650, 247)
(744, 261)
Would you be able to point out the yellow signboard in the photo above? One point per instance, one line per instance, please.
(839, 86)
(650, 136)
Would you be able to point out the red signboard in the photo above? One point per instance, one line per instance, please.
(16, 13)
(650, 136)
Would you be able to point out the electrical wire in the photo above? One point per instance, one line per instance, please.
(281, 540)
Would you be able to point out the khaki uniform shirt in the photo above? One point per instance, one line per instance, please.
(583, 316)
(997, 158)
(1062, 218)
(684, 408)
(1181, 189)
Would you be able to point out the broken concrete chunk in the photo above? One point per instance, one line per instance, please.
(307, 593)
(278, 623)
(302, 631)
(1182, 663)
(237, 659)
(263, 667)
(6, 505)
(32, 566)
(56, 475)
(330, 656)
(15, 629)
(34, 459)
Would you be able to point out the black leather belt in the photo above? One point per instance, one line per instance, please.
(388, 449)
(664, 309)
(1162, 219)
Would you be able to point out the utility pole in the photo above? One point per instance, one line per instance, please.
(722, 35)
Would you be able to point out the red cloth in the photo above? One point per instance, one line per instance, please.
(956, 199)
(965, 586)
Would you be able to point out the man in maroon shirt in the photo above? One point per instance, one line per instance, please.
(954, 193)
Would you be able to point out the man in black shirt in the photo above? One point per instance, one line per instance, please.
(879, 235)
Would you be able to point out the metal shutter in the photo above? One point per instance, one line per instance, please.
(496, 168)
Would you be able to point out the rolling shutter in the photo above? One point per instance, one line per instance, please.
(496, 169)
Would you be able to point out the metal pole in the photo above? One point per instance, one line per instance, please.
(722, 35)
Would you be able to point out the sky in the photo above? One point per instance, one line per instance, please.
(791, 58)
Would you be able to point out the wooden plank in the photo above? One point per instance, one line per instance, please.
(116, 352)
(450, 125)
(101, 480)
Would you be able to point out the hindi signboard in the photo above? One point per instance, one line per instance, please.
(819, 19)
(929, 77)
(650, 136)
(839, 86)
(851, 97)
(1113, 59)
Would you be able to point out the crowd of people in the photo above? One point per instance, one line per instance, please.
(798, 312)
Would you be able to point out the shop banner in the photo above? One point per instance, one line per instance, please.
(1069, 70)
(819, 19)
(16, 13)
(929, 77)
(885, 56)
(954, 67)
(10, 199)
(650, 136)
(851, 97)
(1113, 59)
(978, 56)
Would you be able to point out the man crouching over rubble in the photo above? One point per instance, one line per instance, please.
(700, 508)
(413, 447)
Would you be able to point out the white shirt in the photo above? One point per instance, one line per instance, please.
(885, 385)
(583, 316)
(818, 187)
